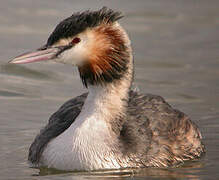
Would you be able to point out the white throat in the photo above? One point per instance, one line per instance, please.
(89, 143)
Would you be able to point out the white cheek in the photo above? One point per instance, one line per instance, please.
(75, 55)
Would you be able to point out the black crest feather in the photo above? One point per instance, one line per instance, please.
(80, 21)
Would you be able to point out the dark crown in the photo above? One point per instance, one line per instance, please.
(80, 21)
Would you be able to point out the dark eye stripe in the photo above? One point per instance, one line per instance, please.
(62, 49)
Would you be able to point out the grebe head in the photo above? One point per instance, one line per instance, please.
(91, 40)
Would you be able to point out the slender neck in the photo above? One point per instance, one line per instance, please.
(107, 103)
(108, 91)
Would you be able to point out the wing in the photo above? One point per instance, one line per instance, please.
(58, 123)
(158, 134)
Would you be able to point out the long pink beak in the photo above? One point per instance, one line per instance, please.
(38, 55)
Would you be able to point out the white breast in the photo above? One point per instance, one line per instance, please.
(80, 148)
(87, 144)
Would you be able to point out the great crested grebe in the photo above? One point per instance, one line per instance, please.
(111, 126)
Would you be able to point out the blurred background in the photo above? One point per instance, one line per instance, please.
(176, 52)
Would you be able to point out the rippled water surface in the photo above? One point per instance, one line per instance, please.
(176, 50)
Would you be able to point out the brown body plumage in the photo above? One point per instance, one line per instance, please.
(152, 134)
(111, 126)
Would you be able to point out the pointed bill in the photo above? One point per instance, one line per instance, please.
(38, 55)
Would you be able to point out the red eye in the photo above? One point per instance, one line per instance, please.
(76, 40)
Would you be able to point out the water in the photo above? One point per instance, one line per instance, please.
(176, 56)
